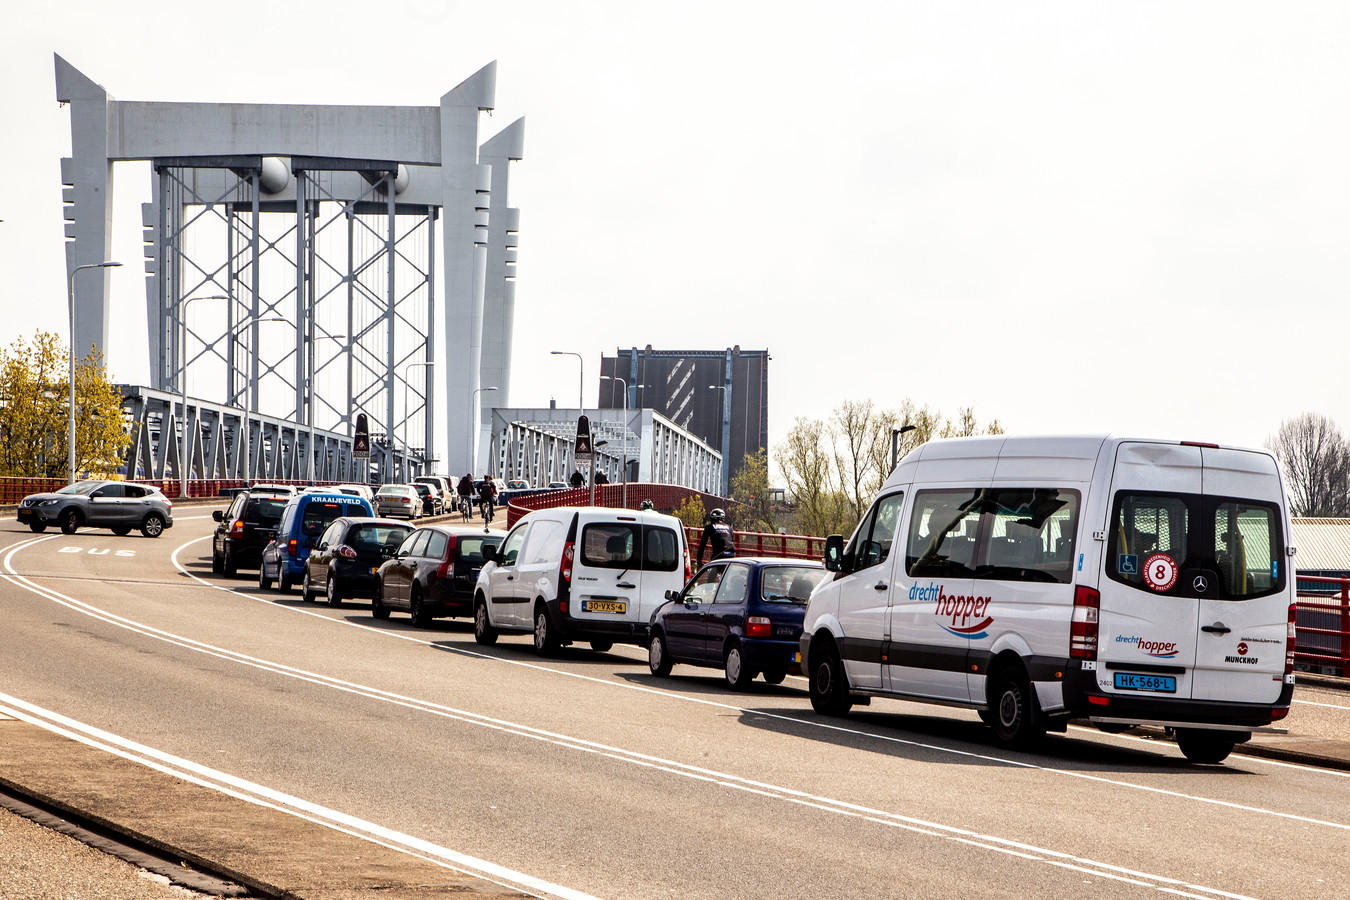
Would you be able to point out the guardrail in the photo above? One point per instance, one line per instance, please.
(1323, 623)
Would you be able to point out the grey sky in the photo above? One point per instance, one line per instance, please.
(1074, 216)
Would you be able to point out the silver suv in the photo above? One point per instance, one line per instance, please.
(117, 505)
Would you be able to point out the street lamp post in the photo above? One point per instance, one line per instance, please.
(625, 432)
(473, 429)
(895, 442)
(70, 436)
(722, 434)
(407, 463)
(581, 376)
(185, 464)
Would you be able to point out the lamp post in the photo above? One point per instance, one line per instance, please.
(895, 442)
(70, 436)
(625, 433)
(473, 431)
(407, 463)
(723, 444)
(581, 376)
(185, 464)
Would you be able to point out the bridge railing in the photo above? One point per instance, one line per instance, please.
(1323, 623)
(12, 490)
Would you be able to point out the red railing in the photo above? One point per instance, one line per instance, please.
(1323, 633)
(757, 543)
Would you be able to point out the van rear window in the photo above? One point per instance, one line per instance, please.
(628, 545)
(1003, 534)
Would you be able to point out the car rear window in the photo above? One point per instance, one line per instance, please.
(470, 549)
(789, 584)
(374, 538)
(318, 515)
(264, 510)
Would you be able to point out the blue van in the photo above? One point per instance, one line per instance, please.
(304, 519)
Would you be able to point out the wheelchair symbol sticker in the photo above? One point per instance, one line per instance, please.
(1129, 564)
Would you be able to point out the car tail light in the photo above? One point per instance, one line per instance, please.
(1289, 640)
(344, 551)
(1083, 625)
(569, 550)
(757, 626)
(447, 566)
(293, 547)
(237, 529)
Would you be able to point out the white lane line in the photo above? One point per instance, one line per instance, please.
(946, 832)
(267, 797)
(1324, 705)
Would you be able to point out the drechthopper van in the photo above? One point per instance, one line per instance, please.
(1038, 580)
(586, 573)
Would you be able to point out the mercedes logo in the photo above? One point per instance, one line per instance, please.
(1200, 584)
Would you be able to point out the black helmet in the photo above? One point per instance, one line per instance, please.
(717, 515)
(647, 504)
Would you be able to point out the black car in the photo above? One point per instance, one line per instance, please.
(743, 616)
(344, 561)
(433, 573)
(244, 529)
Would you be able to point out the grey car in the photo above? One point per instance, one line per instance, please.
(118, 505)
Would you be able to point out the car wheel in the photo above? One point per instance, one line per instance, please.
(283, 579)
(70, 521)
(738, 672)
(602, 646)
(421, 616)
(334, 595)
(775, 676)
(1200, 746)
(377, 608)
(227, 565)
(37, 527)
(545, 641)
(828, 684)
(304, 587)
(483, 632)
(658, 657)
(217, 564)
(121, 530)
(1017, 720)
(264, 583)
(153, 526)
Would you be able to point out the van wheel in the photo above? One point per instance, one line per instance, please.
(602, 646)
(70, 521)
(483, 632)
(658, 657)
(377, 608)
(545, 641)
(1200, 746)
(739, 674)
(1016, 720)
(421, 616)
(153, 526)
(828, 683)
(283, 581)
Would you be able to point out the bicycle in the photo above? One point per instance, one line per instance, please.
(465, 507)
(487, 507)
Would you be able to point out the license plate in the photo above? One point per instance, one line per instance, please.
(1129, 681)
(27, 514)
(610, 606)
(373, 569)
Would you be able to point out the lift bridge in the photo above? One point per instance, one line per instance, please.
(291, 278)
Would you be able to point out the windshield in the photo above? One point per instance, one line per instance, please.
(789, 584)
(81, 487)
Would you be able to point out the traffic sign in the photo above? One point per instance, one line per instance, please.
(361, 440)
(583, 451)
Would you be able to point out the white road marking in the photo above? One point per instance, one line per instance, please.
(1325, 705)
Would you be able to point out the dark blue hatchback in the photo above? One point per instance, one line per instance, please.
(741, 615)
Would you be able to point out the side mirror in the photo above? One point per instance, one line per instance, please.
(672, 595)
(311, 543)
(218, 515)
(834, 553)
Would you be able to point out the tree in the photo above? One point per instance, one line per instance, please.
(750, 490)
(690, 511)
(34, 392)
(805, 460)
(1315, 457)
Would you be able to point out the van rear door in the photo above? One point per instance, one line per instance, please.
(1244, 617)
(1148, 619)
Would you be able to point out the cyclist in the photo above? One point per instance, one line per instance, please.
(466, 490)
(718, 533)
(487, 498)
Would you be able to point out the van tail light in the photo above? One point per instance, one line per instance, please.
(757, 626)
(293, 547)
(1083, 625)
(688, 569)
(569, 550)
(1289, 641)
(447, 566)
(344, 551)
(237, 529)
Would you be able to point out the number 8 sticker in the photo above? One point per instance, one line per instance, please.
(1160, 572)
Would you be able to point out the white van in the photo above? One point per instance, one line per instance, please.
(1037, 580)
(581, 573)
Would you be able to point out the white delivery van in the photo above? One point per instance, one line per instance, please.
(581, 573)
(1037, 580)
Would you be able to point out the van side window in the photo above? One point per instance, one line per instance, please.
(1145, 524)
(1245, 537)
(1001, 534)
(546, 544)
(871, 543)
(660, 550)
(511, 547)
(942, 532)
(609, 545)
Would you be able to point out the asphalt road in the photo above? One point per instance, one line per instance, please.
(584, 775)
